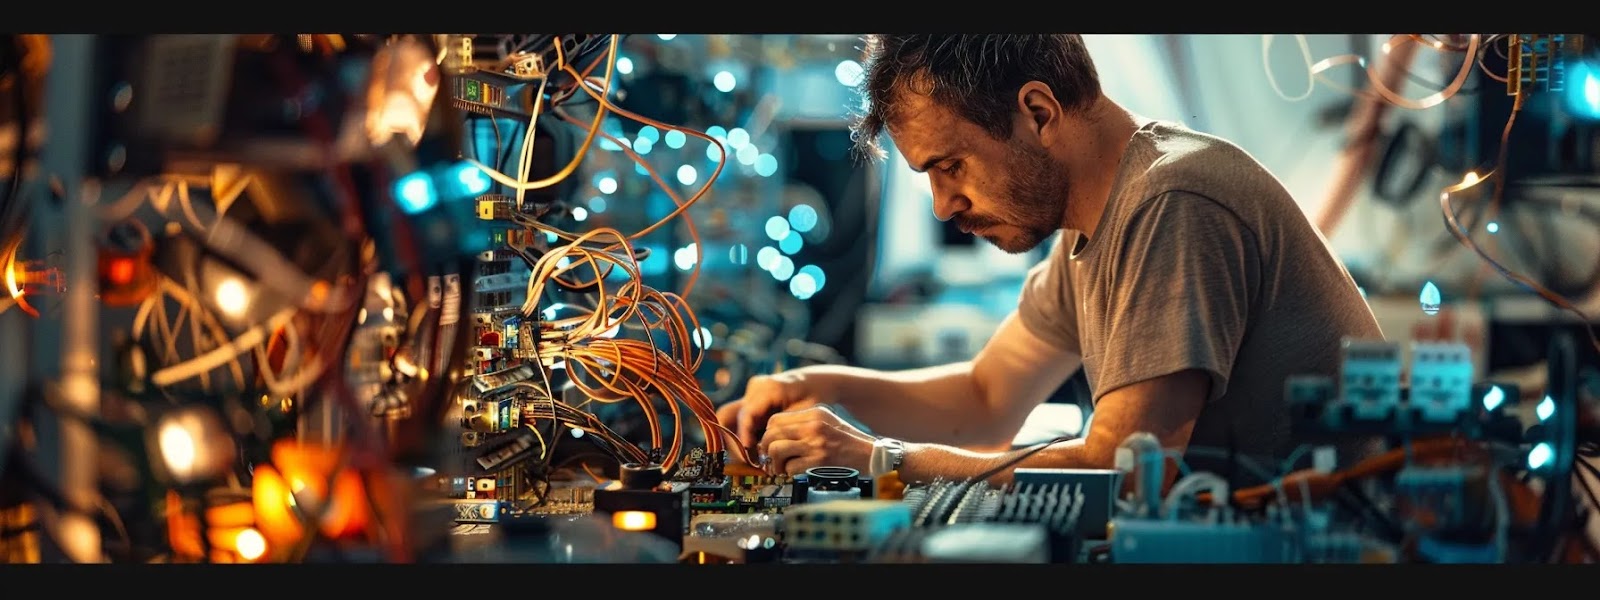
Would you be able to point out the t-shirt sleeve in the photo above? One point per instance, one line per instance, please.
(1181, 289)
(1047, 306)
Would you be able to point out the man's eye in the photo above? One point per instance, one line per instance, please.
(951, 170)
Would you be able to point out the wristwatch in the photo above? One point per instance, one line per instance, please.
(887, 455)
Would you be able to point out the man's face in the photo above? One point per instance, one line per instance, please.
(1009, 192)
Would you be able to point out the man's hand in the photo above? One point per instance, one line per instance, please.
(765, 396)
(814, 437)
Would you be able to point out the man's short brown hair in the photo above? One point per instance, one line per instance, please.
(975, 75)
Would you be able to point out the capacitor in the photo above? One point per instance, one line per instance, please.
(825, 484)
(636, 476)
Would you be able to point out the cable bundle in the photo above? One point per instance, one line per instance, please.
(605, 367)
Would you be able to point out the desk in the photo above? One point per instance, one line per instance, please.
(1048, 422)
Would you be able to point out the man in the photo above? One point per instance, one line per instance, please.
(1188, 284)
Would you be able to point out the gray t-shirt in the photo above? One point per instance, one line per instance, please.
(1202, 260)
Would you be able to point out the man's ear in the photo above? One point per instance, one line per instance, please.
(1040, 109)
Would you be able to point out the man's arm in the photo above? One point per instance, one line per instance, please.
(1186, 273)
(1166, 407)
(979, 403)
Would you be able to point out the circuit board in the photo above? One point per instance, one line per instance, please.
(716, 487)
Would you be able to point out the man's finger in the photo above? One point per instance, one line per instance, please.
(795, 416)
(747, 421)
(781, 452)
(774, 433)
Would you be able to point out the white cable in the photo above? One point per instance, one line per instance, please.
(221, 355)
(142, 315)
(529, 138)
(521, 184)
(1194, 483)
(164, 327)
(197, 341)
(187, 207)
(234, 241)
(196, 312)
(302, 379)
(1305, 55)
(264, 362)
(129, 203)
(291, 364)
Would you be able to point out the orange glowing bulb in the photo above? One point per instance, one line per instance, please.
(297, 484)
(250, 545)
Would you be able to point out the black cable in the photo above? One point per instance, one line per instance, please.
(1406, 136)
(501, 153)
(1021, 456)
(1555, 507)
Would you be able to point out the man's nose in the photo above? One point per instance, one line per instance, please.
(946, 205)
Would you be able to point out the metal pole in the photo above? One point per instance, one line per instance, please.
(70, 91)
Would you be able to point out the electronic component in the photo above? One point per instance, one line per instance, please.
(1099, 488)
(497, 330)
(490, 94)
(712, 497)
(1346, 548)
(1441, 382)
(1537, 62)
(842, 528)
(1369, 379)
(826, 484)
(1055, 504)
(509, 449)
(762, 493)
(642, 501)
(503, 289)
(514, 239)
(1161, 541)
(748, 490)
(1442, 396)
(477, 510)
(495, 208)
(699, 466)
(126, 274)
(500, 381)
(1012, 543)
(834, 483)
(563, 498)
(1312, 397)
